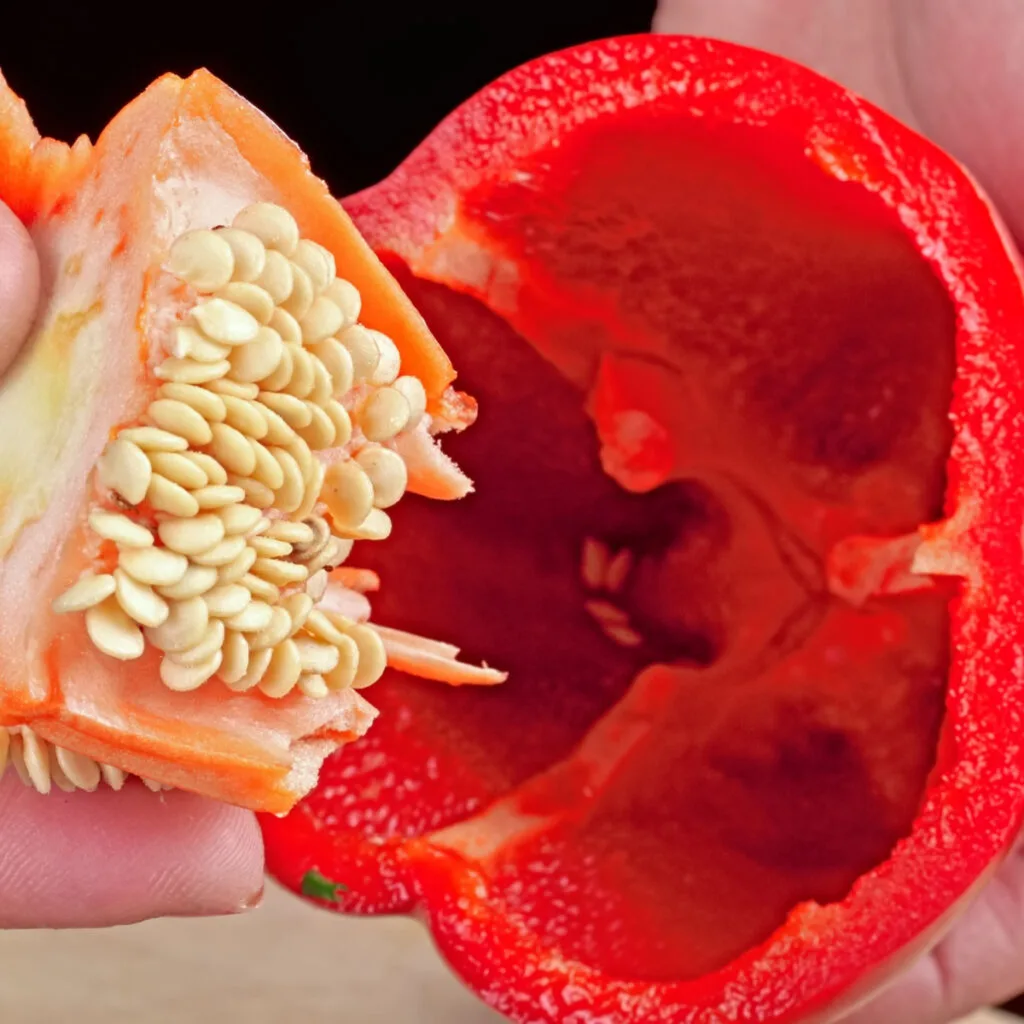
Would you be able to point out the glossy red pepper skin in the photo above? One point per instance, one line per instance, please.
(431, 216)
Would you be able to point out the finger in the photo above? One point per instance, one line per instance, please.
(105, 858)
(19, 286)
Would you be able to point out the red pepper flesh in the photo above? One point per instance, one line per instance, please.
(726, 316)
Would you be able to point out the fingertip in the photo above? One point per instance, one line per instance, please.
(19, 285)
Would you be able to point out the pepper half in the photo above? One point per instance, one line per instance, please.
(746, 535)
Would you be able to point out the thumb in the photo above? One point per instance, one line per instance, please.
(19, 286)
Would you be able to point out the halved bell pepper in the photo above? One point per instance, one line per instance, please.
(746, 534)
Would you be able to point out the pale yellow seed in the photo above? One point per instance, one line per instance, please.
(344, 673)
(346, 296)
(338, 363)
(183, 678)
(248, 250)
(216, 474)
(303, 375)
(183, 628)
(383, 415)
(287, 326)
(16, 755)
(227, 600)
(112, 632)
(120, 529)
(259, 358)
(342, 422)
(278, 629)
(313, 486)
(263, 589)
(320, 433)
(348, 493)
(179, 418)
(289, 495)
(387, 472)
(313, 686)
(624, 636)
(372, 656)
(269, 547)
(268, 470)
(191, 371)
(362, 349)
(255, 493)
(298, 606)
(251, 297)
(235, 388)
(88, 591)
(179, 469)
(279, 379)
(156, 566)
(315, 656)
(213, 640)
(203, 259)
(316, 261)
(113, 777)
(225, 322)
(139, 600)
(323, 386)
(167, 496)
(255, 616)
(333, 554)
(390, 362)
(230, 448)
(245, 416)
(276, 278)
(237, 569)
(281, 574)
(153, 439)
(124, 469)
(300, 452)
(292, 410)
(191, 536)
(322, 319)
(618, 570)
(239, 518)
(412, 390)
(316, 585)
(198, 579)
(256, 667)
(291, 532)
(323, 629)
(221, 554)
(236, 658)
(283, 671)
(83, 771)
(188, 343)
(37, 760)
(218, 496)
(302, 295)
(273, 225)
(278, 431)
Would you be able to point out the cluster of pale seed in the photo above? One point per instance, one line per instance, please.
(223, 571)
(603, 571)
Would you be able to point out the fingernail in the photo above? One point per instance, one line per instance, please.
(253, 902)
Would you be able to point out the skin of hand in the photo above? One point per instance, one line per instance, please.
(955, 72)
(106, 858)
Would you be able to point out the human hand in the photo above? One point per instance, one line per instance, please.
(955, 72)
(106, 858)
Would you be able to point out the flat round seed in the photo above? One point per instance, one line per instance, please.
(339, 416)
(193, 535)
(179, 469)
(346, 297)
(202, 258)
(323, 386)
(322, 319)
(278, 431)
(334, 553)
(257, 359)
(338, 363)
(83, 771)
(124, 469)
(156, 566)
(303, 457)
(218, 496)
(287, 326)
(293, 533)
(183, 678)
(344, 673)
(320, 433)
(372, 656)
(268, 547)
(213, 640)
(235, 388)
(289, 496)
(283, 671)
(281, 574)
(315, 656)
(412, 390)
(208, 405)
(153, 439)
(221, 554)
(167, 496)
(347, 493)
(251, 297)
(279, 629)
(316, 585)
(313, 686)
(278, 380)
(302, 294)
(198, 579)
(303, 375)
(383, 415)
(239, 518)
(183, 628)
(256, 668)
(216, 474)
(255, 493)
(120, 529)
(113, 632)
(292, 410)
(362, 348)
(87, 592)
(236, 657)
(273, 225)
(238, 568)
(322, 628)
(255, 616)
(387, 472)
(179, 418)
(316, 261)
(227, 600)
(268, 470)
(245, 416)
(376, 526)
(188, 343)
(248, 250)
(276, 278)
(225, 322)
(113, 777)
(260, 588)
(191, 371)
(390, 362)
(314, 484)
(298, 606)
(139, 601)
(230, 448)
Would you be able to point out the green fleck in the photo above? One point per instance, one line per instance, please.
(316, 885)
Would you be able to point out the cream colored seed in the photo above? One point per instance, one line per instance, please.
(314, 485)
(255, 493)
(255, 616)
(331, 555)
(113, 632)
(124, 469)
(191, 371)
(139, 601)
(235, 388)
(238, 518)
(221, 554)
(298, 606)
(273, 225)
(372, 656)
(275, 632)
(120, 529)
(606, 613)
(188, 343)
(236, 657)
(153, 439)
(225, 322)
(259, 358)
(88, 591)
(16, 755)
(313, 686)
(268, 547)
(276, 278)
(287, 326)
(316, 585)
(344, 674)
(248, 250)
(178, 469)
(278, 431)
(245, 416)
(198, 579)
(83, 771)
(191, 536)
(322, 320)
(315, 656)
(316, 261)
(412, 390)
(342, 423)
(231, 449)
(283, 671)
(390, 362)
(260, 588)
(303, 375)
(256, 667)
(183, 628)
(320, 433)
(156, 566)
(167, 496)
(323, 386)
(113, 777)
(302, 295)
(347, 493)
(376, 526)
(362, 348)
(218, 496)
(227, 600)
(383, 415)
(618, 570)
(322, 628)
(321, 535)
(624, 636)
(238, 568)
(346, 297)
(290, 532)
(387, 473)
(183, 678)
(593, 562)
(268, 470)
(179, 418)
(303, 457)
(251, 297)
(213, 640)
(279, 379)
(203, 259)
(289, 495)
(292, 410)
(36, 759)
(281, 574)
(216, 474)
(338, 363)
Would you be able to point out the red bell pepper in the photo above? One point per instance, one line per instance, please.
(729, 319)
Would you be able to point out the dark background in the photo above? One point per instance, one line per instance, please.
(356, 85)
